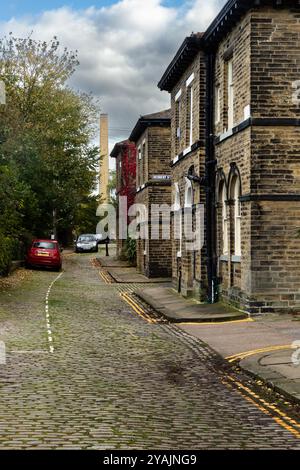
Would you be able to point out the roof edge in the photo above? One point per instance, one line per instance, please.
(143, 123)
(186, 53)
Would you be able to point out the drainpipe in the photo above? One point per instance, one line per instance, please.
(210, 164)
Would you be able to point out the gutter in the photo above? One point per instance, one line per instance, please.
(210, 164)
(143, 124)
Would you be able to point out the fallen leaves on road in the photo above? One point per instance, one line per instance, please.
(14, 279)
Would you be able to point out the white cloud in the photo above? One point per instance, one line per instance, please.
(123, 50)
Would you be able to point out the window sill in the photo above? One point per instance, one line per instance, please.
(187, 150)
(179, 254)
(235, 130)
(224, 258)
(236, 259)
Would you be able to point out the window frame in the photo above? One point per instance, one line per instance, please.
(225, 239)
(230, 92)
(237, 217)
(217, 104)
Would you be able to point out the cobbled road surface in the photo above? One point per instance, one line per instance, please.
(114, 381)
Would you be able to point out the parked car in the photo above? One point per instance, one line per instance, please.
(101, 239)
(44, 253)
(86, 243)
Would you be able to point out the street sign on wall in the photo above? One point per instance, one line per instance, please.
(161, 177)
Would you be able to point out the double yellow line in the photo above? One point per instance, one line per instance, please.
(271, 410)
(139, 310)
(243, 355)
(215, 323)
(105, 277)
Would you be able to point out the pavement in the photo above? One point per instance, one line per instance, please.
(176, 309)
(114, 380)
(123, 272)
(265, 346)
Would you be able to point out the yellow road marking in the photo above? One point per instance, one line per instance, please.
(244, 391)
(107, 278)
(266, 407)
(208, 323)
(104, 277)
(243, 355)
(101, 275)
(136, 308)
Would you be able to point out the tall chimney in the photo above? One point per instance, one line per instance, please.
(104, 162)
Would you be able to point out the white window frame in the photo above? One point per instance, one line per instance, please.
(191, 114)
(225, 247)
(178, 213)
(217, 104)
(237, 218)
(177, 205)
(178, 117)
(188, 195)
(178, 95)
(190, 80)
(190, 91)
(230, 95)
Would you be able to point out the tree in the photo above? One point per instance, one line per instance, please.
(86, 219)
(46, 129)
(112, 184)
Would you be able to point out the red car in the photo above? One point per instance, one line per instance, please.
(44, 253)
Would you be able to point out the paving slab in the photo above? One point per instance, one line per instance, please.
(177, 309)
(277, 368)
(114, 262)
(129, 275)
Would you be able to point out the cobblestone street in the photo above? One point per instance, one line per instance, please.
(114, 381)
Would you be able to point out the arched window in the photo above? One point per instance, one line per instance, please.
(177, 219)
(237, 216)
(223, 198)
(176, 197)
(188, 197)
(235, 192)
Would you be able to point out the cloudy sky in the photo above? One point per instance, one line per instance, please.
(124, 46)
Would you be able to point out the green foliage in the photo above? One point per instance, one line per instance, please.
(9, 250)
(130, 250)
(17, 204)
(47, 165)
(86, 219)
(112, 187)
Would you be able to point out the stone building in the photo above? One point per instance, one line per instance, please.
(185, 80)
(249, 153)
(125, 155)
(152, 138)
